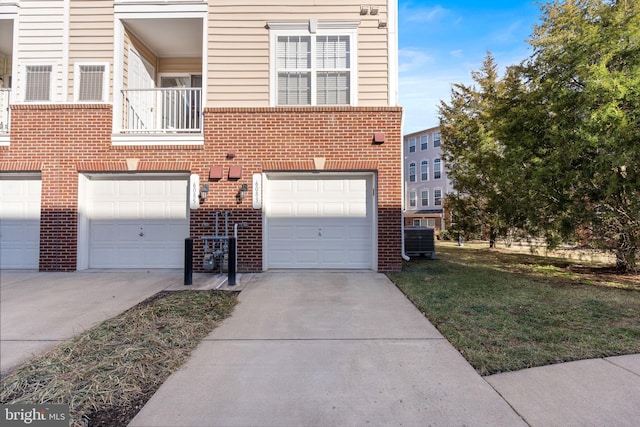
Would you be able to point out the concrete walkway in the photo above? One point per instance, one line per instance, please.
(326, 349)
(596, 392)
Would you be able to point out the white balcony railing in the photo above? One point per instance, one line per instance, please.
(165, 110)
(5, 94)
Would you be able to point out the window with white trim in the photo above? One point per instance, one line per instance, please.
(424, 170)
(412, 172)
(425, 198)
(314, 69)
(424, 142)
(416, 222)
(437, 169)
(437, 197)
(38, 83)
(412, 199)
(412, 145)
(436, 140)
(91, 84)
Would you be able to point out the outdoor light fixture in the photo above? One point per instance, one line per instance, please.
(364, 10)
(242, 193)
(204, 191)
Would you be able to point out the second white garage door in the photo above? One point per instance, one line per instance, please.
(137, 221)
(319, 221)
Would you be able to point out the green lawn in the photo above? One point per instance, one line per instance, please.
(509, 311)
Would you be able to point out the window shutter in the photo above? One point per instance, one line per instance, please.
(38, 83)
(91, 82)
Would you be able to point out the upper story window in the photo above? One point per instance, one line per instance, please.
(412, 172)
(436, 139)
(90, 82)
(437, 169)
(38, 83)
(412, 145)
(437, 197)
(424, 170)
(412, 199)
(424, 142)
(425, 198)
(315, 63)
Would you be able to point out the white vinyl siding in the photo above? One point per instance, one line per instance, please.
(91, 38)
(238, 49)
(42, 41)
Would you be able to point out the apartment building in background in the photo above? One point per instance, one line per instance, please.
(425, 180)
(127, 126)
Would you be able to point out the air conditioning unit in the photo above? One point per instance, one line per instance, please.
(420, 241)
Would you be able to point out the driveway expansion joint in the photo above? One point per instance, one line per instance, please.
(318, 339)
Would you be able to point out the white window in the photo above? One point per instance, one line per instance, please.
(424, 142)
(437, 169)
(412, 145)
(416, 222)
(429, 222)
(425, 198)
(412, 172)
(437, 197)
(91, 82)
(38, 83)
(436, 139)
(412, 199)
(314, 69)
(424, 170)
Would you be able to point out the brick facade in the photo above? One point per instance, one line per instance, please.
(61, 141)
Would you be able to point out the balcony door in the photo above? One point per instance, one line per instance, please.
(140, 100)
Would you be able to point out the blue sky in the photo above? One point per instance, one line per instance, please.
(440, 43)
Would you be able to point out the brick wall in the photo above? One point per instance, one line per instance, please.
(66, 139)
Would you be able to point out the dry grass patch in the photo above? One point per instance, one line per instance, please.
(107, 373)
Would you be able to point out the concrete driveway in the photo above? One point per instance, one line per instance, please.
(38, 310)
(325, 349)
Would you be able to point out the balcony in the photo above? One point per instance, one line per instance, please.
(159, 76)
(5, 94)
(161, 111)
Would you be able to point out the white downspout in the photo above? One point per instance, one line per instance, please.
(392, 16)
(402, 199)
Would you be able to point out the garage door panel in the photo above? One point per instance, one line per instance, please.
(137, 223)
(20, 222)
(319, 222)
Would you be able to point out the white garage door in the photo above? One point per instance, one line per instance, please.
(19, 221)
(319, 221)
(137, 222)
